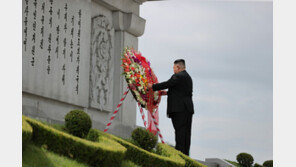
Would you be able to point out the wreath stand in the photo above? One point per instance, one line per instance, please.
(151, 112)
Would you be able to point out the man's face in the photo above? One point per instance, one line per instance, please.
(176, 68)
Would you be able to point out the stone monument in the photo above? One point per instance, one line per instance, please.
(71, 59)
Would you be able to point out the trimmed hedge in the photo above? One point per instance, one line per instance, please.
(26, 131)
(103, 153)
(144, 158)
(165, 149)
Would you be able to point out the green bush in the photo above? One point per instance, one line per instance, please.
(169, 158)
(257, 165)
(103, 153)
(92, 135)
(128, 164)
(144, 138)
(142, 157)
(167, 150)
(26, 131)
(245, 159)
(78, 123)
(268, 163)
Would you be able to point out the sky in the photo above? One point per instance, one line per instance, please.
(228, 49)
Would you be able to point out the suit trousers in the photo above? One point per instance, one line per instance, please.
(182, 122)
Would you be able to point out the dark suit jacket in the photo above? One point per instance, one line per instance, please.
(179, 93)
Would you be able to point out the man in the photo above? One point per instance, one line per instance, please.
(179, 104)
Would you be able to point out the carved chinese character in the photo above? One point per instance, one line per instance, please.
(33, 61)
(26, 31)
(79, 13)
(58, 29)
(71, 56)
(49, 38)
(34, 14)
(65, 42)
(78, 33)
(41, 44)
(66, 16)
(78, 42)
(42, 31)
(77, 69)
(33, 37)
(34, 25)
(78, 59)
(49, 48)
(42, 19)
(79, 23)
(50, 10)
(63, 79)
(33, 50)
(77, 78)
(43, 7)
(35, 3)
(48, 59)
(58, 39)
(26, 21)
(71, 44)
(57, 51)
(50, 22)
(76, 89)
(78, 51)
(72, 31)
(25, 43)
(64, 52)
(48, 69)
(72, 20)
(65, 27)
(26, 10)
(58, 13)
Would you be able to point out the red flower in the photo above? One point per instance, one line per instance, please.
(126, 70)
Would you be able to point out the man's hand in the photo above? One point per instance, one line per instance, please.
(149, 85)
(163, 93)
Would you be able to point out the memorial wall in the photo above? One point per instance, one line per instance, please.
(71, 59)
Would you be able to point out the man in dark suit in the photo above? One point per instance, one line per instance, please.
(179, 104)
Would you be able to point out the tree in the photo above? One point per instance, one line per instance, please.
(268, 163)
(245, 159)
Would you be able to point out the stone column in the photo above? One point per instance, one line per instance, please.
(128, 27)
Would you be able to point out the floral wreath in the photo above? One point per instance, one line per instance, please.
(138, 74)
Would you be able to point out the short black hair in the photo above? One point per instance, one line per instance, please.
(180, 62)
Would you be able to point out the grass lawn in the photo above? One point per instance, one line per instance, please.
(34, 156)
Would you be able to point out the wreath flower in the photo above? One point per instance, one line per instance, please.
(138, 73)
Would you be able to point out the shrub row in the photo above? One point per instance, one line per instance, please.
(167, 150)
(26, 131)
(144, 158)
(105, 153)
(107, 150)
